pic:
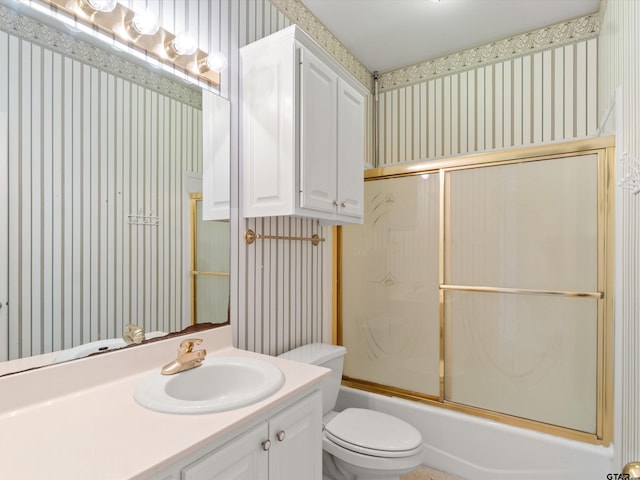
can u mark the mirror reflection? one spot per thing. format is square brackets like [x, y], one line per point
[96, 176]
[209, 266]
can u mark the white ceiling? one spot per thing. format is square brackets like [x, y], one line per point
[389, 34]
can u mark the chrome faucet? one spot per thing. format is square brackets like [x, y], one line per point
[133, 334]
[187, 357]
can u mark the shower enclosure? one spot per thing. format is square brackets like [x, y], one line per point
[483, 284]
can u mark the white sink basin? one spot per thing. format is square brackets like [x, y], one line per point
[219, 384]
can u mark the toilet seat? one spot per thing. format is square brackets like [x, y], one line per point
[373, 433]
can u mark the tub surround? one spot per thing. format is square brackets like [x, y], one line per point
[80, 419]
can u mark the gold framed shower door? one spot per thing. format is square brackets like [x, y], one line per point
[603, 295]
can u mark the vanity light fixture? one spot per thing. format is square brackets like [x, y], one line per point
[145, 22]
[102, 5]
[140, 31]
[216, 62]
[183, 44]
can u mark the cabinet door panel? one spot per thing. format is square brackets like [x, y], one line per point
[318, 134]
[242, 459]
[216, 156]
[299, 454]
[268, 130]
[350, 151]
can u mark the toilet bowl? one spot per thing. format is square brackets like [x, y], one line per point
[358, 444]
[364, 444]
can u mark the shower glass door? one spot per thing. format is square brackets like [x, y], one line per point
[521, 289]
[484, 285]
[390, 286]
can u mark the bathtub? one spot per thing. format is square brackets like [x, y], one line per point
[479, 449]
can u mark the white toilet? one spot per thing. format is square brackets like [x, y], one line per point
[358, 444]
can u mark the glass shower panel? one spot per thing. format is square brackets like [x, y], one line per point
[390, 308]
[529, 356]
[212, 267]
[530, 225]
[212, 294]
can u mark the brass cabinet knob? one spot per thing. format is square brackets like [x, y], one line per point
[280, 435]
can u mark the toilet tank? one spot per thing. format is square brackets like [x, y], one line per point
[323, 355]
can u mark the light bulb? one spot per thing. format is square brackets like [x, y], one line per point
[184, 44]
[145, 22]
[216, 61]
[102, 5]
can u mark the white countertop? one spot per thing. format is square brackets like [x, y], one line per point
[80, 420]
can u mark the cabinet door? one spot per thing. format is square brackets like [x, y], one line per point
[242, 459]
[216, 156]
[318, 134]
[268, 129]
[350, 151]
[296, 441]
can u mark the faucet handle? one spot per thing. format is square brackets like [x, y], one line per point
[133, 334]
[186, 346]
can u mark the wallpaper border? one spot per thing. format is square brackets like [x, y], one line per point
[29, 29]
[557, 35]
[299, 14]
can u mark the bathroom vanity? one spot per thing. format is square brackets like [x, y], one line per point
[80, 420]
[283, 447]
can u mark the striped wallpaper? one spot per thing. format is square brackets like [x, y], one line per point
[619, 81]
[284, 280]
[541, 97]
[280, 290]
[282, 287]
[82, 152]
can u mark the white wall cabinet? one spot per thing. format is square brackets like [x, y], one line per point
[303, 135]
[285, 445]
[216, 156]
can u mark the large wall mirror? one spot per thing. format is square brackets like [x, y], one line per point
[99, 161]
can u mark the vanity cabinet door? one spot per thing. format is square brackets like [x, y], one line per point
[242, 459]
[286, 446]
[296, 441]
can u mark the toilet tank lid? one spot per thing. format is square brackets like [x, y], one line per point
[314, 353]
